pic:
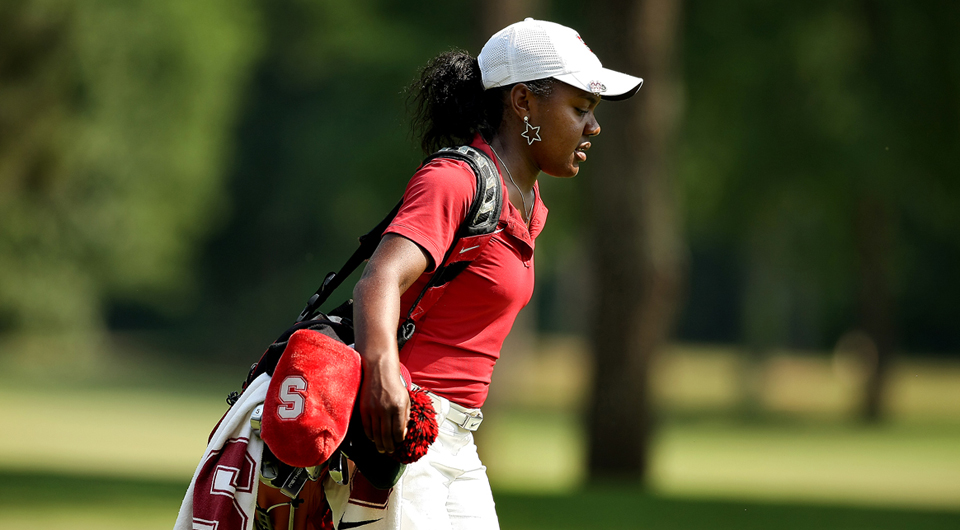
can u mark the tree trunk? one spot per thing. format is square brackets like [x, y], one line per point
[873, 227]
[876, 300]
[498, 14]
[639, 256]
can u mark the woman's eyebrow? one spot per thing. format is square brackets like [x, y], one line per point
[593, 99]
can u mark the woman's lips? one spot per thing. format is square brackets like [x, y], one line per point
[581, 152]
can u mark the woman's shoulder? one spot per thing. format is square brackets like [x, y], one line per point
[445, 177]
[435, 203]
[446, 170]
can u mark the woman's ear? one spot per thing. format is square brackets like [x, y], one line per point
[520, 100]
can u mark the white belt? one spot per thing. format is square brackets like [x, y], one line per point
[461, 416]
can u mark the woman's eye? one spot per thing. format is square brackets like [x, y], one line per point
[582, 112]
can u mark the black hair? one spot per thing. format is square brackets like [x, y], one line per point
[450, 104]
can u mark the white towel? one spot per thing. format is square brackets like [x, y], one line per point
[223, 492]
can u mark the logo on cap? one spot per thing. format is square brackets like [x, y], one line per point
[597, 87]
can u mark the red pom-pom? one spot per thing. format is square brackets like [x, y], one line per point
[421, 429]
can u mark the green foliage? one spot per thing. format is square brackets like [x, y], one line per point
[324, 152]
[202, 159]
[798, 115]
[116, 120]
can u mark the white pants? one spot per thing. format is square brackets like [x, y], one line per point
[447, 489]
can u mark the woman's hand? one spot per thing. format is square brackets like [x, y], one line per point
[384, 402]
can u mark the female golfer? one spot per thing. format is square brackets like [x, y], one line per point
[528, 102]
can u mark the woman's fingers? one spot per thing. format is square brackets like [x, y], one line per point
[398, 429]
[404, 420]
[385, 443]
[394, 423]
[384, 412]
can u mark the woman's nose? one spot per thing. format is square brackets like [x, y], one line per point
[593, 128]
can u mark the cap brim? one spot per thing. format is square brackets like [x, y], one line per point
[613, 85]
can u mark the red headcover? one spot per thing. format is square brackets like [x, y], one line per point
[310, 398]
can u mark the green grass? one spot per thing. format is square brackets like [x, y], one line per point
[115, 446]
[893, 464]
[56, 501]
[897, 464]
[625, 508]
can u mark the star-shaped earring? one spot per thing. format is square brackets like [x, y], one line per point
[526, 133]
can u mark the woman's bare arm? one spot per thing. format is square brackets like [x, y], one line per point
[384, 403]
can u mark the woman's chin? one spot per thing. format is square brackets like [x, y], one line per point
[564, 173]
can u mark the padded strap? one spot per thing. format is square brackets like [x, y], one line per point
[368, 244]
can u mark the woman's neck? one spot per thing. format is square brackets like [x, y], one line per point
[520, 174]
[518, 165]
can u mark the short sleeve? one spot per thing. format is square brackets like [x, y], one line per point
[435, 203]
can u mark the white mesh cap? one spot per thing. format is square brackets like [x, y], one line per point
[537, 49]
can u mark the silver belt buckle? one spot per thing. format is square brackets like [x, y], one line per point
[472, 420]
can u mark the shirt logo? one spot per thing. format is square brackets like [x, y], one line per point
[469, 249]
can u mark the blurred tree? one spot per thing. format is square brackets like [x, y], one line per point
[114, 121]
[820, 141]
[323, 153]
[640, 259]
[498, 14]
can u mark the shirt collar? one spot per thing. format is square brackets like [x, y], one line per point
[514, 223]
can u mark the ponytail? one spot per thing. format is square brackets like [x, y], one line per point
[450, 104]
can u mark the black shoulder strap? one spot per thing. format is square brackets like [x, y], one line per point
[368, 244]
[481, 219]
[484, 213]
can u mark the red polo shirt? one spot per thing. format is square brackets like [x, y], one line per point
[458, 340]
